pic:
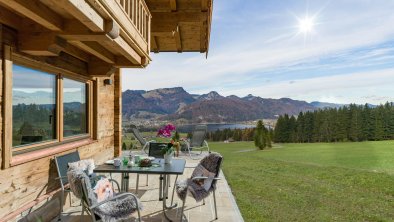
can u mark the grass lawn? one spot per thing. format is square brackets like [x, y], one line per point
[312, 182]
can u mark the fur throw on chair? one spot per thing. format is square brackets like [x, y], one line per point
[114, 210]
[211, 164]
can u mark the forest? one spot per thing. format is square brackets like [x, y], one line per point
[348, 123]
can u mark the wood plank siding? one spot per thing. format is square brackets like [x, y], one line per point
[87, 41]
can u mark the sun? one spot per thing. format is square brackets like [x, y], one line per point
[305, 25]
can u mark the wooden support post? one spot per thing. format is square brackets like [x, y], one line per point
[7, 107]
[96, 99]
[59, 106]
[118, 113]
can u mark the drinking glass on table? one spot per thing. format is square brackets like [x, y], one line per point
[125, 160]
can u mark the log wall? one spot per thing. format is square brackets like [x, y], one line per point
[33, 183]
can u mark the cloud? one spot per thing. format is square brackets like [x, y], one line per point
[246, 51]
[330, 88]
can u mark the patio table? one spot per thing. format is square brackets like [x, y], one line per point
[177, 167]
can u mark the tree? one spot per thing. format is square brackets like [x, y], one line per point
[259, 137]
[268, 138]
[124, 146]
[131, 145]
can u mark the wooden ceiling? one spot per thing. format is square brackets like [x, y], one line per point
[180, 25]
[107, 34]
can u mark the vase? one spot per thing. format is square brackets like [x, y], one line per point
[168, 158]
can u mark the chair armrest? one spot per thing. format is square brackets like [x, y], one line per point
[114, 198]
[152, 141]
[114, 181]
[204, 178]
[58, 178]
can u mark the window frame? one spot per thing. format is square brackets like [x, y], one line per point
[60, 140]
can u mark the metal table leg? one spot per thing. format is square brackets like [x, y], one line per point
[125, 182]
[161, 187]
[165, 194]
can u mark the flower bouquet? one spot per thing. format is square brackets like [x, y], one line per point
[168, 150]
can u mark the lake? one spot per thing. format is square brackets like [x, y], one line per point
[213, 127]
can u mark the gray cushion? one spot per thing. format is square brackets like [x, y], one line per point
[114, 210]
[212, 164]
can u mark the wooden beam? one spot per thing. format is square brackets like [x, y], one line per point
[38, 44]
[95, 49]
[122, 62]
[158, 17]
[203, 37]
[173, 5]
[36, 11]
[72, 50]
[113, 9]
[204, 5]
[10, 19]
[98, 68]
[85, 13]
[155, 45]
[167, 22]
[76, 31]
[122, 47]
[48, 44]
[178, 39]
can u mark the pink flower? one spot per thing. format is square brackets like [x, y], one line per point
[166, 130]
[170, 127]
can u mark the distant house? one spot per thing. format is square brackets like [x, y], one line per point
[61, 82]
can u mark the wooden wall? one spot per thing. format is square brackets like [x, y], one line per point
[31, 181]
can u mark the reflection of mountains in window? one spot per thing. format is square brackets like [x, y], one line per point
[42, 97]
[33, 123]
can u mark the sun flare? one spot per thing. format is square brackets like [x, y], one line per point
[306, 25]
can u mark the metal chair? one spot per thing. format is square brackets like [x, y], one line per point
[62, 167]
[155, 151]
[211, 163]
[138, 136]
[120, 205]
[197, 142]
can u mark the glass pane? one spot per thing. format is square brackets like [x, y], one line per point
[33, 106]
[74, 106]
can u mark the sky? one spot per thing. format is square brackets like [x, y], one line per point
[257, 48]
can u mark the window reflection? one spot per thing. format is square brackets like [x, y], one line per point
[74, 107]
[33, 106]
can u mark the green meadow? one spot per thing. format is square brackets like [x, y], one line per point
[311, 182]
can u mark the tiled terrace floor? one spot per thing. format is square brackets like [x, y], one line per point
[152, 212]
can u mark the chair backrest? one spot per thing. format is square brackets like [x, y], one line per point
[155, 149]
[198, 136]
[81, 187]
[62, 165]
[212, 163]
[137, 134]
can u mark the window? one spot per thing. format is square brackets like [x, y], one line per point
[33, 106]
[74, 108]
[41, 102]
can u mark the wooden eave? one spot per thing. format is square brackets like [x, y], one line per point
[180, 26]
[98, 33]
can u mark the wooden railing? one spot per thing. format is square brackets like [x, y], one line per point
[139, 14]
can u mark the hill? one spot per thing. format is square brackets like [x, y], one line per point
[176, 103]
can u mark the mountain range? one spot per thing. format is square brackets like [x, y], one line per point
[177, 104]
